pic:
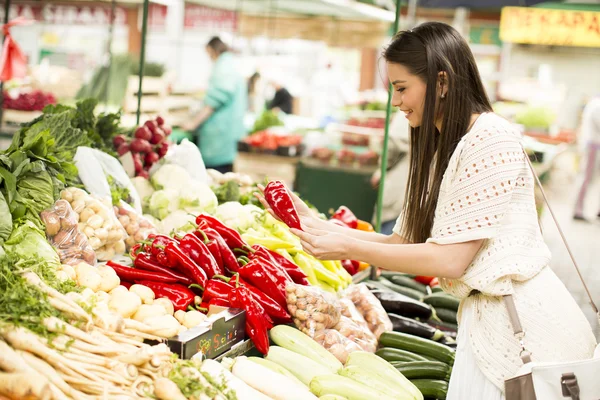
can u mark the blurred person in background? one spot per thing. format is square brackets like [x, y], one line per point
[220, 123]
[282, 100]
[396, 176]
[256, 101]
[589, 142]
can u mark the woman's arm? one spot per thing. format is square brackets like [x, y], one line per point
[372, 237]
[446, 261]
[198, 120]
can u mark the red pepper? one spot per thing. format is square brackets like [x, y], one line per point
[219, 302]
[198, 252]
[259, 274]
[183, 263]
[278, 313]
[434, 282]
[229, 261]
[425, 280]
[146, 262]
[256, 323]
[126, 284]
[216, 289]
[157, 244]
[213, 247]
[297, 275]
[231, 236]
[133, 274]
[281, 203]
[346, 216]
[349, 267]
[180, 296]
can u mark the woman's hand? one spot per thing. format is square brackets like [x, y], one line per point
[302, 209]
[324, 245]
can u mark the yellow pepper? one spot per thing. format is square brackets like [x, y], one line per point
[305, 265]
[270, 242]
[364, 226]
[362, 266]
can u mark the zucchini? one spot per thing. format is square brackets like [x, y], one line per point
[437, 289]
[403, 305]
[390, 355]
[436, 389]
[423, 347]
[416, 328]
[407, 291]
[442, 300]
[446, 315]
[409, 283]
[424, 369]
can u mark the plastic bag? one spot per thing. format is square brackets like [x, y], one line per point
[13, 63]
[360, 335]
[98, 222]
[312, 309]
[349, 310]
[186, 155]
[336, 343]
[64, 235]
[370, 308]
[137, 227]
[96, 168]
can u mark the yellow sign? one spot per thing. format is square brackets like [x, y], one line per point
[550, 27]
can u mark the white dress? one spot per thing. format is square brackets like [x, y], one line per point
[487, 192]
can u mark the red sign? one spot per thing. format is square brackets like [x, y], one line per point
[157, 16]
[199, 17]
[61, 14]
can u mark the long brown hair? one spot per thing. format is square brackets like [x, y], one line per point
[425, 51]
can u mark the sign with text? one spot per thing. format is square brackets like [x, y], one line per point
[550, 27]
[63, 14]
[201, 18]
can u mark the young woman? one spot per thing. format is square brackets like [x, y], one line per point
[469, 218]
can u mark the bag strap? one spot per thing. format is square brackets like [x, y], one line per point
[510, 301]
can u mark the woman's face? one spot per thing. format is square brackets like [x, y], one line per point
[211, 53]
[409, 93]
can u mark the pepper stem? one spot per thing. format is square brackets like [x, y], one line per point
[203, 235]
[195, 285]
[242, 251]
[203, 309]
[222, 277]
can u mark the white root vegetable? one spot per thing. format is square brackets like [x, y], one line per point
[147, 310]
[145, 293]
[124, 303]
[225, 378]
[193, 318]
[143, 385]
[110, 280]
[166, 389]
[118, 289]
[10, 360]
[20, 385]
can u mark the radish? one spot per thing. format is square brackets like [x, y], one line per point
[164, 147]
[140, 146]
[122, 149]
[151, 125]
[160, 120]
[137, 163]
[119, 140]
[143, 174]
[167, 129]
[151, 158]
[143, 133]
[158, 136]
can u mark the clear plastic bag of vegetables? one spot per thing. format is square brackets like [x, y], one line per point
[370, 308]
[137, 226]
[336, 343]
[63, 233]
[98, 222]
[312, 309]
[362, 336]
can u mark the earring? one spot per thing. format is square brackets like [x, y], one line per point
[442, 96]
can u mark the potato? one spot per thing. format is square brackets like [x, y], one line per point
[95, 243]
[179, 315]
[147, 311]
[78, 205]
[101, 234]
[114, 235]
[110, 280]
[95, 222]
[88, 231]
[66, 195]
[124, 220]
[52, 222]
[86, 214]
[145, 293]
[193, 318]
[119, 247]
[166, 303]
[89, 255]
[132, 228]
[88, 276]
[69, 270]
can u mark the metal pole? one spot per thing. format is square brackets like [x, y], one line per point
[386, 137]
[6, 11]
[109, 49]
[142, 60]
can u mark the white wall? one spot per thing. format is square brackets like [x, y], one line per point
[578, 68]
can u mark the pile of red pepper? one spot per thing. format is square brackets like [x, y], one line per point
[204, 262]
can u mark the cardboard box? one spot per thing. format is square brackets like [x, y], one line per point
[224, 328]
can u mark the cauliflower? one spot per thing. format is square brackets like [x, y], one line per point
[238, 216]
[143, 188]
[197, 197]
[177, 221]
[163, 202]
[171, 176]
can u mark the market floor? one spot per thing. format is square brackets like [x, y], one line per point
[583, 237]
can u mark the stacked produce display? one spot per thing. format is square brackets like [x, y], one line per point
[98, 290]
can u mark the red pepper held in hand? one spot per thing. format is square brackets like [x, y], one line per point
[180, 296]
[183, 263]
[281, 203]
[198, 252]
[346, 216]
[133, 274]
[231, 236]
[256, 325]
[146, 262]
[257, 275]
[229, 261]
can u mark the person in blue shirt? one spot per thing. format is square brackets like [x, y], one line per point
[220, 124]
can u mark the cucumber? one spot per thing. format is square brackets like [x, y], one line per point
[390, 355]
[409, 283]
[433, 388]
[446, 315]
[420, 346]
[424, 369]
[442, 300]
[437, 289]
[410, 292]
